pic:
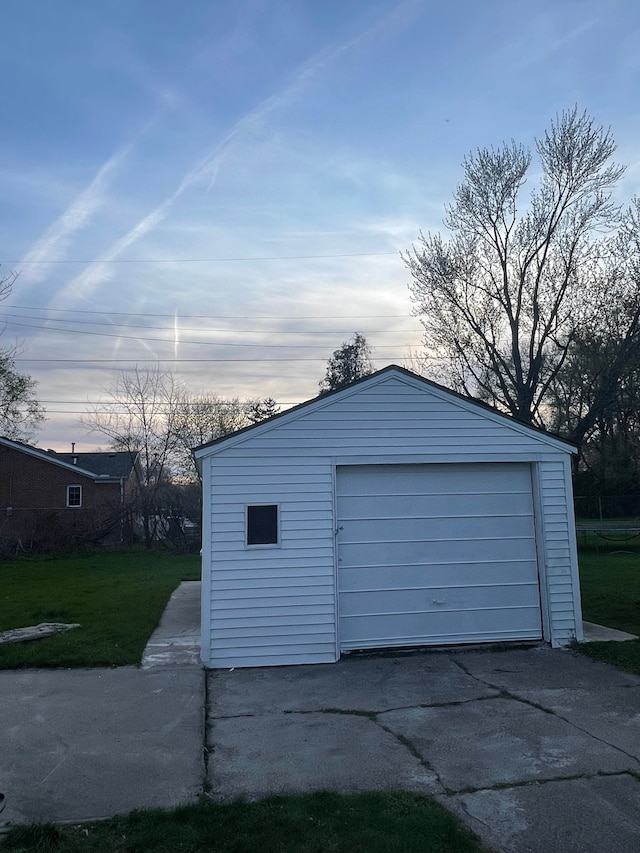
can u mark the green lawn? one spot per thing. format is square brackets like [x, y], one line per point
[314, 823]
[610, 585]
[117, 597]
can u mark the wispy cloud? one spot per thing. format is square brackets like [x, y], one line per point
[53, 244]
[207, 169]
[547, 36]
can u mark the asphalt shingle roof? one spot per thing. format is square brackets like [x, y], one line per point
[114, 463]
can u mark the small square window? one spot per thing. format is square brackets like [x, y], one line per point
[74, 496]
[262, 524]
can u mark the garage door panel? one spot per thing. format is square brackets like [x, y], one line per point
[432, 505]
[436, 554]
[441, 628]
[444, 575]
[426, 600]
[447, 551]
[489, 478]
[391, 530]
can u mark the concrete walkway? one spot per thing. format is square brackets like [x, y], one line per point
[599, 633]
[91, 743]
[176, 640]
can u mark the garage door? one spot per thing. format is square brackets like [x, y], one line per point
[436, 554]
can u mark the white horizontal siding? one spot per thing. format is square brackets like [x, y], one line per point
[265, 600]
[406, 420]
[277, 605]
[245, 622]
[251, 575]
[559, 548]
[224, 657]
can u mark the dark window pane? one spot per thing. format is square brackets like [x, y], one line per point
[74, 495]
[262, 525]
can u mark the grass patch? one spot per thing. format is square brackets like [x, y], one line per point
[610, 586]
[117, 598]
[38, 838]
[324, 822]
[624, 655]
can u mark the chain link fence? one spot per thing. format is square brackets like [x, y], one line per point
[607, 507]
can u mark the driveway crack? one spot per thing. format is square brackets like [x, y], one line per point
[207, 746]
[508, 695]
[528, 783]
[412, 748]
[401, 739]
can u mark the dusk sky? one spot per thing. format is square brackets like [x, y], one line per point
[224, 186]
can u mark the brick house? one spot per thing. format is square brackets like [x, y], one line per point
[53, 500]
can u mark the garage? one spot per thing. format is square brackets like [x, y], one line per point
[391, 513]
[436, 554]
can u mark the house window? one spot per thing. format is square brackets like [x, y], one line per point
[74, 496]
[262, 524]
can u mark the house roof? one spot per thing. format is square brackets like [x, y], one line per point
[102, 467]
[114, 463]
[400, 372]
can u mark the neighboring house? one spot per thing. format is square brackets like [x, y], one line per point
[391, 513]
[50, 499]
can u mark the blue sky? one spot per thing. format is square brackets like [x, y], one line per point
[224, 186]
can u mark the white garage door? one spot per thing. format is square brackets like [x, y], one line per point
[436, 554]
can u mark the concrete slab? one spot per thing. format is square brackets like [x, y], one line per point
[601, 701]
[297, 753]
[176, 640]
[354, 683]
[83, 744]
[542, 667]
[574, 816]
[505, 742]
[601, 634]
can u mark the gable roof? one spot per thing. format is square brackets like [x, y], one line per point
[102, 467]
[113, 463]
[401, 373]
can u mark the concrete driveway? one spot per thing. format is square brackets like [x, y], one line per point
[535, 749]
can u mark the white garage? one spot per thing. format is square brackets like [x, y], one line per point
[393, 513]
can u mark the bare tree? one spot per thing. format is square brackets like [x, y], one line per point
[20, 412]
[595, 396]
[350, 362]
[140, 417]
[200, 418]
[503, 298]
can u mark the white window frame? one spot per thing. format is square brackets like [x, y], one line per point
[74, 505]
[253, 546]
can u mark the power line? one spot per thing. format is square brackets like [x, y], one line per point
[154, 360]
[89, 261]
[180, 342]
[106, 407]
[213, 316]
[104, 362]
[220, 403]
[159, 412]
[181, 329]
